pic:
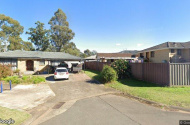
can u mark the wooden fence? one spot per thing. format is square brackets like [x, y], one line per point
[98, 66]
[151, 72]
[165, 74]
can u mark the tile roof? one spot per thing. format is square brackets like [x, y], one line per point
[169, 45]
[38, 55]
[113, 55]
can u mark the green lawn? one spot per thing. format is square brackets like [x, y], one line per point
[17, 116]
[173, 96]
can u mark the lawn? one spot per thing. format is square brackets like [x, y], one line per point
[17, 116]
[172, 96]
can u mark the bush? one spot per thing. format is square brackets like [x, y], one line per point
[5, 70]
[108, 74]
[14, 79]
[122, 68]
[25, 79]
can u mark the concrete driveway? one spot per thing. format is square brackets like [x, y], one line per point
[83, 101]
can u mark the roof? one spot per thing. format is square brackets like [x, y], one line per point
[169, 45]
[38, 55]
[91, 57]
[114, 55]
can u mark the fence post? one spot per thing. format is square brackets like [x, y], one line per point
[1, 87]
[10, 83]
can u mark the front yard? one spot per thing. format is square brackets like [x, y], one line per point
[172, 96]
[17, 116]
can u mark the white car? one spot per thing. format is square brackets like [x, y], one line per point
[61, 73]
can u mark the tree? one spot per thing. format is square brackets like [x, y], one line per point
[60, 31]
[71, 49]
[10, 31]
[39, 36]
[87, 52]
[27, 46]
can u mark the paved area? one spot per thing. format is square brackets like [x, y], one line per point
[83, 101]
[24, 97]
[115, 110]
[79, 86]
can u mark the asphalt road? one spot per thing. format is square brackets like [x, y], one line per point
[87, 103]
[115, 110]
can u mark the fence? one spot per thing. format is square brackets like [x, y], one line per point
[152, 72]
[98, 66]
[165, 74]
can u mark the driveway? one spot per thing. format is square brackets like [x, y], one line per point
[83, 101]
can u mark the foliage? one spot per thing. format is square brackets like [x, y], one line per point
[5, 70]
[39, 36]
[25, 79]
[108, 74]
[27, 46]
[17, 71]
[10, 31]
[122, 68]
[87, 52]
[60, 31]
[71, 49]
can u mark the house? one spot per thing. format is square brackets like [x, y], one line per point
[34, 60]
[111, 57]
[173, 52]
[90, 58]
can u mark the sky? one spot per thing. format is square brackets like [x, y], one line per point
[109, 25]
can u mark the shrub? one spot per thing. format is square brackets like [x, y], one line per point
[108, 74]
[14, 79]
[122, 68]
[5, 70]
[17, 71]
[25, 79]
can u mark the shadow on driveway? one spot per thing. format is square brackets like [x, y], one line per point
[50, 78]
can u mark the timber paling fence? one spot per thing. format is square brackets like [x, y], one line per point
[164, 74]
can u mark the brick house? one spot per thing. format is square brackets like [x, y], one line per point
[173, 52]
[34, 60]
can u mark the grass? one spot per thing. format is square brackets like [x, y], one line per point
[172, 96]
[28, 79]
[17, 116]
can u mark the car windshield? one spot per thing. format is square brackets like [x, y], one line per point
[61, 70]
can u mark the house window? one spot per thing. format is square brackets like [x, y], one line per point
[141, 55]
[152, 53]
[42, 62]
[179, 52]
[172, 51]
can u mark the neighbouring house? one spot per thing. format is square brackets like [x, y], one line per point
[111, 57]
[34, 61]
[90, 58]
[173, 52]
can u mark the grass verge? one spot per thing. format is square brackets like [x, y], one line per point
[17, 116]
[172, 96]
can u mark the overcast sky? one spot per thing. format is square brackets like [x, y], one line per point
[109, 25]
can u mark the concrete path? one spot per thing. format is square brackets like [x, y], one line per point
[115, 110]
[25, 97]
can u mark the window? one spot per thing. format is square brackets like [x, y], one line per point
[179, 52]
[141, 55]
[152, 53]
[172, 51]
[42, 62]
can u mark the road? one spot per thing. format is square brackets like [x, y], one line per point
[82, 101]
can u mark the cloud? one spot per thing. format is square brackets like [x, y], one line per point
[139, 44]
[118, 44]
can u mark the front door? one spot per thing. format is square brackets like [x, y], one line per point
[30, 65]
